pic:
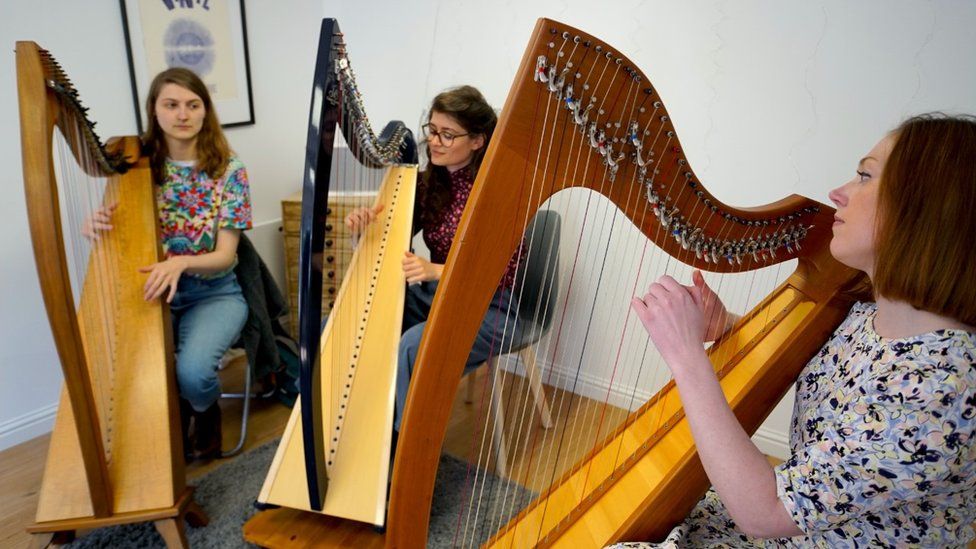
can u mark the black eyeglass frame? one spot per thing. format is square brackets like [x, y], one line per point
[427, 132]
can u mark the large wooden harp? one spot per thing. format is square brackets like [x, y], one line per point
[334, 456]
[115, 454]
[581, 116]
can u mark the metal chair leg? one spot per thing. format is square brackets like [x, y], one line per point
[246, 395]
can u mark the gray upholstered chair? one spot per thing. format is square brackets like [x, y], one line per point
[537, 285]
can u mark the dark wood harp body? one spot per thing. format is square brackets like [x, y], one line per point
[115, 454]
[645, 477]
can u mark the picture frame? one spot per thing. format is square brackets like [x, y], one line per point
[206, 36]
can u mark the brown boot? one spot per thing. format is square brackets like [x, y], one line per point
[208, 433]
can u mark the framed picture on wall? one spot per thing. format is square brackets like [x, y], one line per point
[207, 36]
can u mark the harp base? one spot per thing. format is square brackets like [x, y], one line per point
[168, 521]
[285, 527]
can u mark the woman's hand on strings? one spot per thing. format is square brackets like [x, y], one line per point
[419, 269]
[718, 319]
[100, 220]
[163, 277]
[672, 315]
[358, 219]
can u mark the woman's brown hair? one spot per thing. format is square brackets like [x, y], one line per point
[213, 151]
[927, 217]
[468, 107]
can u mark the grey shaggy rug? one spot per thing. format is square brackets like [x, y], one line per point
[227, 495]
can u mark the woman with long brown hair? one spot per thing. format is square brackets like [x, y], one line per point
[204, 203]
[883, 437]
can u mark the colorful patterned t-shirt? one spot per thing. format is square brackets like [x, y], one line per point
[883, 444]
[193, 207]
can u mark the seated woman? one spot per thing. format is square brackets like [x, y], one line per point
[457, 134]
[204, 203]
[883, 436]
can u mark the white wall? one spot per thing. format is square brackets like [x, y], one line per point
[769, 98]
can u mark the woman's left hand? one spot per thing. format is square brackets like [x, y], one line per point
[672, 315]
[419, 269]
[163, 276]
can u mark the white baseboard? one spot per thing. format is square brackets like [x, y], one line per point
[772, 443]
[584, 384]
[30, 425]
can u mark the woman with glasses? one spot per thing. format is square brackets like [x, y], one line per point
[457, 134]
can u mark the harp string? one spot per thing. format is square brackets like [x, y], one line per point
[475, 504]
[90, 265]
[357, 171]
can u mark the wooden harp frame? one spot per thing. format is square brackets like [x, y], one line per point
[144, 479]
[659, 479]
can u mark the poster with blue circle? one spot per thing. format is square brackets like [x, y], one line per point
[206, 36]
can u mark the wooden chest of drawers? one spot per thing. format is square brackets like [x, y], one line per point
[337, 253]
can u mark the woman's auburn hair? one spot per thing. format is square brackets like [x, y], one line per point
[213, 151]
[927, 217]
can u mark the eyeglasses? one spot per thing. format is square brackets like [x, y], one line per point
[444, 136]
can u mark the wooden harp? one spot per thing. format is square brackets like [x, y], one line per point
[334, 456]
[583, 129]
[116, 453]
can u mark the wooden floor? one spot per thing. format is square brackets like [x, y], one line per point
[21, 467]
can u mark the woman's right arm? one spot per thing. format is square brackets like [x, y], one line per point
[674, 316]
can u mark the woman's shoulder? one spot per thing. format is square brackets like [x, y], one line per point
[863, 309]
[234, 163]
[857, 317]
[941, 364]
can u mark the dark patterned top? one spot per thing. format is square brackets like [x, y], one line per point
[439, 233]
[882, 441]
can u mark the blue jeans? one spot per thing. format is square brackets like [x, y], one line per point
[208, 315]
[496, 332]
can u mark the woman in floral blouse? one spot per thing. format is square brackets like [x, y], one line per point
[882, 437]
[457, 134]
[204, 203]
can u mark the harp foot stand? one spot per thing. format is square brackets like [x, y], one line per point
[168, 522]
[284, 527]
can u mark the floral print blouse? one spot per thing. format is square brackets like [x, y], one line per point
[882, 441]
[439, 233]
[193, 207]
